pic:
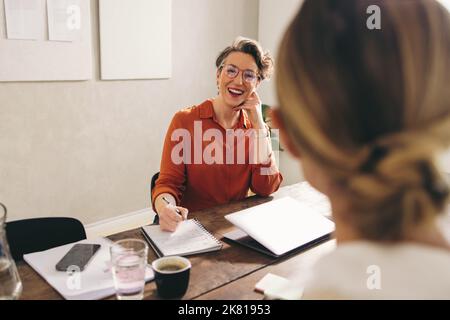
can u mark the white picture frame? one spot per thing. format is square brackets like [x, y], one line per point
[44, 60]
[135, 39]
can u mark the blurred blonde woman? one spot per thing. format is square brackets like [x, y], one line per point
[367, 112]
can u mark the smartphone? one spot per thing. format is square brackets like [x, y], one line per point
[79, 255]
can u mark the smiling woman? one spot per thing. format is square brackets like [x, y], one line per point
[236, 141]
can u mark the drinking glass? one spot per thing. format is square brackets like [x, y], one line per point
[128, 262]
[10, 284]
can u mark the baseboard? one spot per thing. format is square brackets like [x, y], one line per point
[120, 223]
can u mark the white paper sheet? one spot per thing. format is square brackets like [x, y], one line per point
[24, 19]
[278, 288]
[95, 282]
[64, 20]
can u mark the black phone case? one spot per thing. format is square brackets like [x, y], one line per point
[79, 255]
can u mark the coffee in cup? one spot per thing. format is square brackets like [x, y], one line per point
[171, 276]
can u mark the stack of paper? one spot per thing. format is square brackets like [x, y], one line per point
[94, 282]
[278, 288]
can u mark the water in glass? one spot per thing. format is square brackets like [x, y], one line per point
[10, 284]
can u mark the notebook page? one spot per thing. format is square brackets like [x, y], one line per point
[188, 238]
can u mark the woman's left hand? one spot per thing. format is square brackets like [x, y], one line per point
[254, 111]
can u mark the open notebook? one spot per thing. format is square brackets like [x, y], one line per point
[189, 238]
[94, 282]
[279, 227]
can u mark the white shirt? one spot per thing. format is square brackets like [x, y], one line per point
[368, 270]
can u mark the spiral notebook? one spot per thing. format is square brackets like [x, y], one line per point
[189, 238]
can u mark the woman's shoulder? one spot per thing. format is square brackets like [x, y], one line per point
[192, 112]
[360, 253]
[356, 269]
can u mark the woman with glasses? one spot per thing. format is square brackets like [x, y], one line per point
[367, 111]
[217, 151]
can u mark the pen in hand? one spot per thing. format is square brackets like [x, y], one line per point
[176, 210]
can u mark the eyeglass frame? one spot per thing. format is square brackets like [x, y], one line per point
[258, 78]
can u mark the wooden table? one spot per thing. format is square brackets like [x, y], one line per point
[230, 273]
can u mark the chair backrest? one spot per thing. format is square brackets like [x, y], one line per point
[32, 235]
[154, 178]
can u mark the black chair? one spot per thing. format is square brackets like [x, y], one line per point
[31, 235]
[152, 186]
[154, 178]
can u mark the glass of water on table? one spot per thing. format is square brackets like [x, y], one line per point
[129, 262]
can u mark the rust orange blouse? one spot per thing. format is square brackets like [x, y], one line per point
[194, 183]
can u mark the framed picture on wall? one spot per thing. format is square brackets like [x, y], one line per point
[135, 39]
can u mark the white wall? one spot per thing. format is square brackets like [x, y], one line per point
[446, 3]
[274, 17]
[88, 149]
[445, 162]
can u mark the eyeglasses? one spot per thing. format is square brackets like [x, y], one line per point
[232, 72]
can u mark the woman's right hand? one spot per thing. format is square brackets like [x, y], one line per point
[169, 218]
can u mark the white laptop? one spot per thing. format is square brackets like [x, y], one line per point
[279, 227]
